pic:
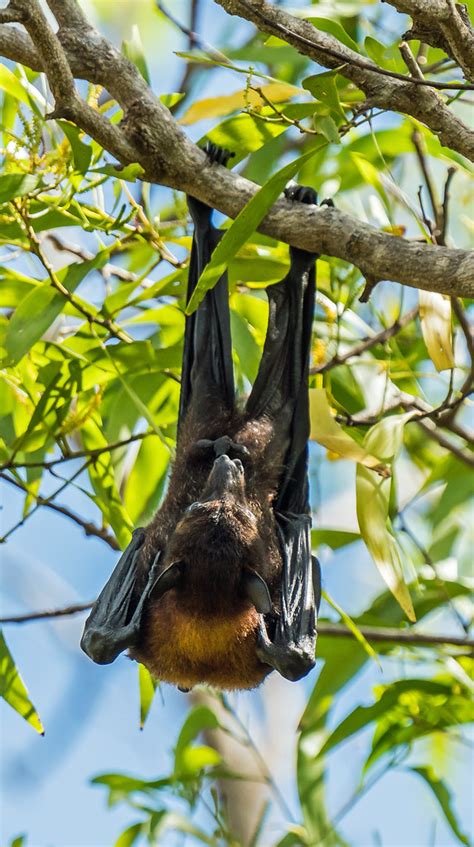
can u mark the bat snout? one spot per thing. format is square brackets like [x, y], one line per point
[227, 477]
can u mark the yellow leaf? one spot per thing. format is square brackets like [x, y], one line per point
[373, 496]
[214, 107]
[435, 318]
[326, 431]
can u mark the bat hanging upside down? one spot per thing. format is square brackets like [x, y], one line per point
[221, 587]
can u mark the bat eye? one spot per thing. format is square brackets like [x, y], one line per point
[193, 506]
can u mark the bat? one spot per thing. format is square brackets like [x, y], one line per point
[221, 587]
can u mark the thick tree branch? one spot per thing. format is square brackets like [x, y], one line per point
[378, 634]
[443, 24]
[383, 91]
[150, 136]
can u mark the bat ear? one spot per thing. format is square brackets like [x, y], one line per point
[256, 589]
[166, 580]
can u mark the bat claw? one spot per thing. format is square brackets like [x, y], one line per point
[301, 194]
[219, 155]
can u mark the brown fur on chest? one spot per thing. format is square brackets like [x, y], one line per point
[184, 647]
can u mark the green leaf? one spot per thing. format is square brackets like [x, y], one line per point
[436, 326]
[327, 126]
[41, 307]
[130, 835]
[130, 172]
[333, 538]
[12, 85]
[358, 635]
[385, 56]
[17, 185]
[336, 29]
[245, 223]
[198, 719]
[324, 89]
[170, 100]
[147, 687]
[362, 716]
[147, 478]
[373, 508]
[245, 345]
[101, 475]
[443, 796]
[82, 153]
[14, 287]
[13, 690]
[244, 134]
[133, 50]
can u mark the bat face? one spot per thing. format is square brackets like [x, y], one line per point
[216, 544]
[203, 626]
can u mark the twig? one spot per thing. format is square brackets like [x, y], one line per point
[396, 636]
[433, 432]
[78, 454]
[441, 239]
[88, 527]
[367, 343]
[66, 611]
[194, 39]
[420, 152]
[381, 634]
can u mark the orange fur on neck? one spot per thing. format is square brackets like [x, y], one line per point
[185, 648]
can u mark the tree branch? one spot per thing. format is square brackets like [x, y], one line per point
[149, 135]
[77, 454]
[443, 24]
[334, 630]
[385, 90]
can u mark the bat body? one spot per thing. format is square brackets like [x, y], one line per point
[221, 587]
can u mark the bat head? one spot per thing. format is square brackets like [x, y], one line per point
[216, 548]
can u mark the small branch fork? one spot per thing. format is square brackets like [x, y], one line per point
[382, 635]
[150, 136]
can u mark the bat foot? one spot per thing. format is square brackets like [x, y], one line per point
[219, 155]
[301, 194]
